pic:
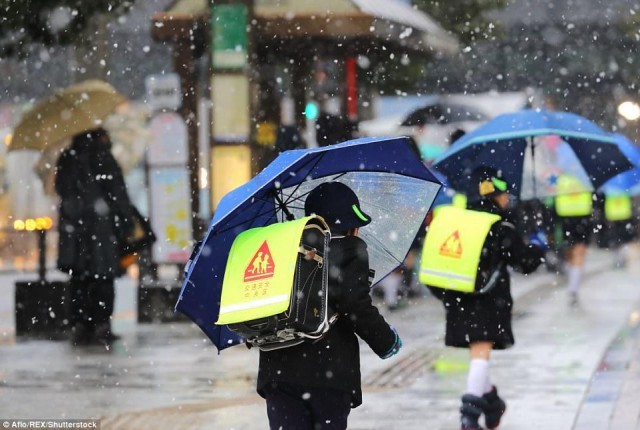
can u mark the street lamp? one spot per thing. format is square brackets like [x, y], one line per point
[41, 225]
[629, 110]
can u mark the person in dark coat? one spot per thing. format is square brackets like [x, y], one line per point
[481, 321]
[315, 384]
[95, 217]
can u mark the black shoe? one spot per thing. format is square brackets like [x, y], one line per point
[495, 408]
[573, 299]
[470, 411]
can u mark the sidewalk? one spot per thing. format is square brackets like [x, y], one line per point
[169, 376]
[424, 381]
[612, 397]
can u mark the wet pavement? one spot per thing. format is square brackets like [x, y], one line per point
[571, 368]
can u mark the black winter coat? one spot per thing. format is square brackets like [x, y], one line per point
[334, 361]
[487, 317]
[95, 211]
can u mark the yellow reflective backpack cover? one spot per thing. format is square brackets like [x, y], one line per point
[260, 271]
[573, 199]
[452, 248]
[618, 207]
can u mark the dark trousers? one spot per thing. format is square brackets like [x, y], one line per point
[292, 407]
[91, 302]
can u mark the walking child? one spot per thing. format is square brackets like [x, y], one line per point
[314, 385]
[574, 206]
[464, 263]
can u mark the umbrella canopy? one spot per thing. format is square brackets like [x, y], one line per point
[626, 182]
[442, 112]
[393, 185]
[67, 112]
[523, 143]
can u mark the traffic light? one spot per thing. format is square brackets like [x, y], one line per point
[311, 111]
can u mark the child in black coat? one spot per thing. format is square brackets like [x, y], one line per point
[314, 385]
[481, 321]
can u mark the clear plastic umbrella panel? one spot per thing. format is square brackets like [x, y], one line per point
[397, 205]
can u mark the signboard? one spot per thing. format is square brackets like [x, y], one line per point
[169, 140]
[230, 113]
[171, 209]
[229, 23]
[230, 168]
[163, 91]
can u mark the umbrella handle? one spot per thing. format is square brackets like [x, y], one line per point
[533, 167]
[284, 208]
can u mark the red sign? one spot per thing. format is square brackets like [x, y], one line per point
[261, 265]
[452, 247]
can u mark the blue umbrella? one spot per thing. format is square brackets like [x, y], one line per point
[393, 185]
[626, 182]
[502, 143]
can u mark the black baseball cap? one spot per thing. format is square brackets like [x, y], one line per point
[338, 205]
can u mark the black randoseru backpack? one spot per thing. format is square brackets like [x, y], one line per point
[306, 317]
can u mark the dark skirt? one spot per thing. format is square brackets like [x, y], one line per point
[621, 232]
[478, 318]
[576, 230]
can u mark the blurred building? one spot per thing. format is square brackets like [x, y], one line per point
[583, 55]
[302, 64]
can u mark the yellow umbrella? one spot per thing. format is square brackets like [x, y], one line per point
[67, 112]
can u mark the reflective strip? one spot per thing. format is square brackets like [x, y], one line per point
[447, 275]
[359, 214]
[254, 304]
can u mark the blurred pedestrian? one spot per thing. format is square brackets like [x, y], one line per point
[574, 206]
[332, 129]
[288, 138]
[465, 264]
[314, 385]
[95, 216]
[391, 287]
[621, 224]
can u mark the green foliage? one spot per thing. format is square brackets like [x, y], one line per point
[465, 18]
[50, 22]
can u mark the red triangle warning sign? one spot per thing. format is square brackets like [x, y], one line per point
[261, 265]
[452, 247]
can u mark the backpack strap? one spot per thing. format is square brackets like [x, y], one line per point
[311, 254]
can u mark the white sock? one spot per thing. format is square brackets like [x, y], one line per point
[478, 376]
[488, 386]
[621, 257]
[575, 274]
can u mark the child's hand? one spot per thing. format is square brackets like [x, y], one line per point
[395, 348]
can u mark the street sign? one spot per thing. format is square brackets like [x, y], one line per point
[230, 168]
[229, 36]
[163, 91]
[230, 114]
[171, 214]
[169, 141]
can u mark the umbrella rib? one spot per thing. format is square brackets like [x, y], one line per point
[251, 221]
[314, 162]
[289, 199]
[292, 197]
[383, 248]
